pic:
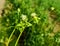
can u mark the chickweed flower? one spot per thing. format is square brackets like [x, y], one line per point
[52, 8]
[35, 18]
[24, 17]
[33, 14]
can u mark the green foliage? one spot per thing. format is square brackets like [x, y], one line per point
[26, 23]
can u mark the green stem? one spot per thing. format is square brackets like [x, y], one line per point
[7, 44]
[18, 38]
[10, 37]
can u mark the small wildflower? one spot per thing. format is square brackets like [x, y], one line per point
[52, 8]
[35, 18]
[24, 17]
[33, 14]
[18, 9]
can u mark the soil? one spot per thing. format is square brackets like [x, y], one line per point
[2, 2]
[56, 24]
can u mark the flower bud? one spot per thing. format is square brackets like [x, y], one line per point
[18, 9]
[52, 8]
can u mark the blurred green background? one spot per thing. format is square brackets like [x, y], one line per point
[30, 23]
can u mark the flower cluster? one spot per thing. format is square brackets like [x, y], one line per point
[23, 17]
[35, 18]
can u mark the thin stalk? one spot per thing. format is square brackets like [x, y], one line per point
[18, 39]
[10, 37]
[7, 44]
